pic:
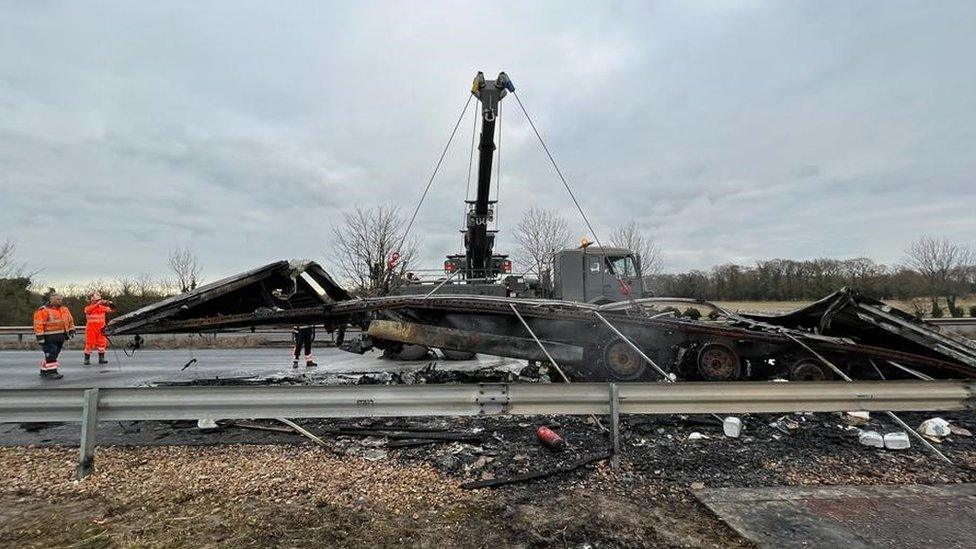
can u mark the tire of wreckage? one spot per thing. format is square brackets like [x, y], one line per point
[808, 369]
[718, 362]
[407, 351]
[617, 360]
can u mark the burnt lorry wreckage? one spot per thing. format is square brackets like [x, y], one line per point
[861, 337]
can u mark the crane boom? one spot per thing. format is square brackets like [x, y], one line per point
[478, 261]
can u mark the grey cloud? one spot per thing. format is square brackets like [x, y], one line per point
[734, 132]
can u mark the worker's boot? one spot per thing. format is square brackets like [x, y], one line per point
[310, 364]
[294, 363]
[101, 358]
[51, 374]
[87, 359]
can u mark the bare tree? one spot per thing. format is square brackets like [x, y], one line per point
[368, 248]
[540, 234]
[100, 286]
[9, 268]
[185, 265]
[943, 263]
[642, 245]
[148, 286]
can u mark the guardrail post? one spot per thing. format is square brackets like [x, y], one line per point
[615, 425]
[89, 424]
[492, 398]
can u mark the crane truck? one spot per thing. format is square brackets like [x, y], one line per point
[589, 274]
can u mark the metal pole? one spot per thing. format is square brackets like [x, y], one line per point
[906, 369]
[891, 414]
[539, 343]
[443, 282]
[302, 431]
[552, 360]
[615, 425]
[89, 424]
[635, 348]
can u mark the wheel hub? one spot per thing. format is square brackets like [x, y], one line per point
[718, 363]
[622, 361]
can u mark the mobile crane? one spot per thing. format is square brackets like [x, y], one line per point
[589, 273]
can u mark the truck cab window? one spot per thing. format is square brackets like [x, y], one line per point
[622, 265]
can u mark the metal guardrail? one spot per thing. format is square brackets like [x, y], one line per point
[174, 403]
[952, 322]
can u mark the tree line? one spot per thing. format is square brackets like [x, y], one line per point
[20, 296]
[935, 268]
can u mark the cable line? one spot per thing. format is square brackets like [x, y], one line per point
[433, 175]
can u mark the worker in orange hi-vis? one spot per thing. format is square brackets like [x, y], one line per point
[95, 338]
[53, 325]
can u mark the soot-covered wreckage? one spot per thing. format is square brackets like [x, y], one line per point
[864, 338]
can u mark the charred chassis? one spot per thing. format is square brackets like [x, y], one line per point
[865, 338]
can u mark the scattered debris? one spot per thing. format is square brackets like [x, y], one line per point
[536, 475]
[550, 439]
[785, 424]
[936, 428]
[207, 425]
[871, 438]
[897, 441]
[373, 454]
[960, 431]
[259, 427]
[301, 430]
[857, 418]
[732, 426]
[697, 436]
[408, 435]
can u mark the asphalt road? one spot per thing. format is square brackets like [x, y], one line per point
[19, 369]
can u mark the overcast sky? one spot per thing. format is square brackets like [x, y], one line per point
[732, 131]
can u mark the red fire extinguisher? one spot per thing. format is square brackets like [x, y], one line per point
[550, 439]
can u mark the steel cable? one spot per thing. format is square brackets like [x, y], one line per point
[434, 174]
[575, 201]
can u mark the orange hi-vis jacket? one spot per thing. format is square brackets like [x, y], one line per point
[95, 314]
[52, 320]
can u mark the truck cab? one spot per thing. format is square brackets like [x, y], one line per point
[589, 274]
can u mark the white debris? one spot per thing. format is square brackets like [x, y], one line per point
[697, 436]
[374, 454]
[935, 427]
[732, 427]
[858, 418]
[960, 431]
[871, 438]
[897, 441]
[206, 424]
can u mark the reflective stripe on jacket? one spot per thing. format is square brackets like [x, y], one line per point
[95, 313]
[50, 320]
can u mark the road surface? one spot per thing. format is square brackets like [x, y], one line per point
[19, 369]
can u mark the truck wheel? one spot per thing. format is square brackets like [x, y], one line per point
[807, 369]
[621, 361]
[717, 362]
[407, 351]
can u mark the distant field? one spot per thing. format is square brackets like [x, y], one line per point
[785, 306]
